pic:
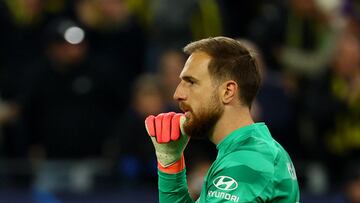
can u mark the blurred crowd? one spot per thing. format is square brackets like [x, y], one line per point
[78, 78]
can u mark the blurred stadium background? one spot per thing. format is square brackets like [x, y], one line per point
[77, 79]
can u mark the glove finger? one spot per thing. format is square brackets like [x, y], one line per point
[149, 125]
[166, 127]
[158, 127]
[175, 127]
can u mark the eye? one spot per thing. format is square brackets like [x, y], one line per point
[189, 80]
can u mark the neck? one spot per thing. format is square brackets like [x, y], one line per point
[232, 119]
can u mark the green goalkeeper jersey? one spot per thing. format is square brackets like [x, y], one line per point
[250, 167]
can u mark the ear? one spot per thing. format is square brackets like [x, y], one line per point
[229, 91]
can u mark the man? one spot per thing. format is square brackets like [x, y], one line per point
[218, 84]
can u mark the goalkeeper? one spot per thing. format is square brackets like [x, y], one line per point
[218, 84]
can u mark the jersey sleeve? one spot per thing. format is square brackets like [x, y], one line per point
[240, 182]
[173, 188]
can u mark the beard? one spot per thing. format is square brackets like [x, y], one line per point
[201, 124]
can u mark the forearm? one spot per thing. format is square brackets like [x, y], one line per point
[173, 188]
[169, 142]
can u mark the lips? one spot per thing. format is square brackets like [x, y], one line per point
[185, 108]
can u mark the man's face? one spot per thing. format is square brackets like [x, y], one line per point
[198, 97]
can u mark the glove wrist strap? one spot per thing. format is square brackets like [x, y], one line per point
[176, 167]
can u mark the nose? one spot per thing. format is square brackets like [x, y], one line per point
[179, 94]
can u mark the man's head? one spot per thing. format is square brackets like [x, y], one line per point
[220, 72]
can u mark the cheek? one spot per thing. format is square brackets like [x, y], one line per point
[201, 104]
[200, 99]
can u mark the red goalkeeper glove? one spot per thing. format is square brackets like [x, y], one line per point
[167, 136]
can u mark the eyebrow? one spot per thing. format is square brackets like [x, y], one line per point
[189, 78]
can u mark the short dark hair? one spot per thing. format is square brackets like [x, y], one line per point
[230, 60]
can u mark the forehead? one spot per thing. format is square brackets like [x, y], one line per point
[196, 65]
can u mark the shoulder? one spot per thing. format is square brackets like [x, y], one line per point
[247, 171]
[241, 176]
[250, 169]
[247, 166]
[255, 153]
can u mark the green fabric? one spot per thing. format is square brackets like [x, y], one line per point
[250, 167]
[173, 188]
